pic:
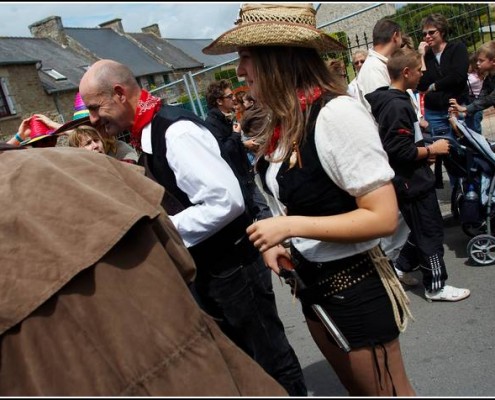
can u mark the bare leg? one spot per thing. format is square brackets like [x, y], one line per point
[358, 370]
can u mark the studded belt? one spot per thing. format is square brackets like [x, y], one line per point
[326, 279]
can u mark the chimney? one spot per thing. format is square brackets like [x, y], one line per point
[115, 24]
[51, 28]
[155, 29]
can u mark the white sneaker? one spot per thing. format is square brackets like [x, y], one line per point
[406, 278]
[447, 293]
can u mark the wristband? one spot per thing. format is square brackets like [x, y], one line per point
[18, 137]
[428, 152]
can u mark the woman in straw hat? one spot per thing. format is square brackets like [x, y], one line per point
[323, 161]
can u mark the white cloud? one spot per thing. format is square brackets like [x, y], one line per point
[176, 20]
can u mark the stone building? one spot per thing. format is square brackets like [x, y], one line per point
[37, 76]
[355, 19]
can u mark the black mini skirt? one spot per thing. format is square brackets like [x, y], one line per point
[362, 311]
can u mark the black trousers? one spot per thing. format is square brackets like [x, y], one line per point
[424, 246]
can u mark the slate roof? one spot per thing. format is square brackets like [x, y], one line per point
[170, 54]
[17, 50]
[108, 44]
[193, 47]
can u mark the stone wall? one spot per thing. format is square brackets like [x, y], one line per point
[358, 24]
[30, 98]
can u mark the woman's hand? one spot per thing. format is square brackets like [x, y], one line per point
[422, 47]
[271, 256]
[251, 144]
[269, 232]
[47, 121]
[25, 129]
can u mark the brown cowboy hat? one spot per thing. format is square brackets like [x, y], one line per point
[278, 24]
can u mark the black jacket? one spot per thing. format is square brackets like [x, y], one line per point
[450, 76]
[486, 98]
[396, 117]
[230, 142]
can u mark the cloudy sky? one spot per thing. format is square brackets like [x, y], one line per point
[185, 20]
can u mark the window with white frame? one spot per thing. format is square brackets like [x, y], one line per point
[54, 74]
[6, 104]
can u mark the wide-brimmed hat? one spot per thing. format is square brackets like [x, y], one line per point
[278, 24]
[39, 131]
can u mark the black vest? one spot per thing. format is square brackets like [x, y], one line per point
[308, 190]
[223, 249]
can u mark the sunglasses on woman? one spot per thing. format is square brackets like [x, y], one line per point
[430, 33]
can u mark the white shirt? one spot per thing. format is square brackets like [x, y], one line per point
[373, 74]
[351, 153]
[352, 89]
[418, 134]
[194, 156]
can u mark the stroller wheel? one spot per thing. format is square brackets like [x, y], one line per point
[473, 229]
[481, 250]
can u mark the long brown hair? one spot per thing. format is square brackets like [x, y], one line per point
[280, 73]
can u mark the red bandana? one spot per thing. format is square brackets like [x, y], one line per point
[147, 107]
[303, 101]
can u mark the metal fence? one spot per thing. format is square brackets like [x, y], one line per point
[189, 91]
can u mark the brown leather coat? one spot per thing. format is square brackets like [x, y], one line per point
[93, 293]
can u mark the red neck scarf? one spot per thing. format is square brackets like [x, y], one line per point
[314, 95]
[148, 106]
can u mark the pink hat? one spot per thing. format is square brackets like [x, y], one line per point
[80, 117]
[39, 130]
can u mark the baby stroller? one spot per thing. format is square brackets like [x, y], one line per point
[472, 161]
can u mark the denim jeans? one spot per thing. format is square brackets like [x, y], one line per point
[439, 125]
[474, 121]
[243, 302]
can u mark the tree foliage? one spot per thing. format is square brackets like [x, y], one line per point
[464, 19]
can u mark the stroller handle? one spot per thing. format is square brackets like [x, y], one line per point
[453, 142]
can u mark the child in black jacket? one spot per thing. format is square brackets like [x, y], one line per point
[414, 180]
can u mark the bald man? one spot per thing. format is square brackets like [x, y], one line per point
[205, 203]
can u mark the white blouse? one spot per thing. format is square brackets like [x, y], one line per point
[351, 153]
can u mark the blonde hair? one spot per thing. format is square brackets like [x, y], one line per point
[487, 49]
[78, 135]
[280, 73]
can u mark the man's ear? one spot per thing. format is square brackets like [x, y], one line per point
[396, 37]
[406, 72]
[120, 92]
[219, 102]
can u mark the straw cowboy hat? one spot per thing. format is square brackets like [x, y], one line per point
[279, 24]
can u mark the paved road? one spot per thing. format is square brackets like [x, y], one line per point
[449, 350]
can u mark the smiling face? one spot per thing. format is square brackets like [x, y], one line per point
[105, 112]
[245, 69]
[110, 93]
[432, 36]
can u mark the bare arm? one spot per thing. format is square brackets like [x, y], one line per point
[23, 133]
[376, 216]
